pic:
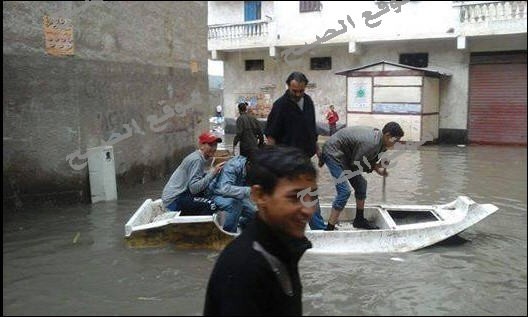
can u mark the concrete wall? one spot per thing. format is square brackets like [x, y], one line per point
[131, 61]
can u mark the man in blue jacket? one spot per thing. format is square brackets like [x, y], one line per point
[231, 194]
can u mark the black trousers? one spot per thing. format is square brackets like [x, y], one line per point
[191, 205]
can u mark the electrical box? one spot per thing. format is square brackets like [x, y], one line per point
[101, 167]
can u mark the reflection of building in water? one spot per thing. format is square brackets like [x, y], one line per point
[423, 175]
[402, 184]
[101, 222]
[443, 174]
[426, 175]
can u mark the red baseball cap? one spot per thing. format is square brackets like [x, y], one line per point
[208, 137]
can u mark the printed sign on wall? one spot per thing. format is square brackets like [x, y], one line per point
[359, 94]
[58, 35]
[398, 107]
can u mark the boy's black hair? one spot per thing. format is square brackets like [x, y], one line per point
[271, 163]
[242, 106]
[393, 129]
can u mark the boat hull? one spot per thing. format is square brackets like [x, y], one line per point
[152, 226]
[201, 235]
[403, 228]
[449, 220]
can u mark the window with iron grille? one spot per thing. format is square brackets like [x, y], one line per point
[415, 59]
[254, 64]
[309, 6]
[320, 63]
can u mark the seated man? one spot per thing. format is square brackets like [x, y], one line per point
[186, 187]
[231, 194]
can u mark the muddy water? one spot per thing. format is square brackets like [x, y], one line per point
[73, 260]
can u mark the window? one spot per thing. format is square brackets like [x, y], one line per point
[415, 59]
[320, 63]
[309, 6]
[254, 64]
[252, 10]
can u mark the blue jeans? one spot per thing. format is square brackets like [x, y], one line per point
[317, 222]
[358, 182]
[236, 211]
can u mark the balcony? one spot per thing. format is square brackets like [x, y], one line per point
[247, 34]
[480, 11]
[491, 18]
[239, 30]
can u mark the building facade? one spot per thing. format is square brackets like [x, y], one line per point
[481, 44]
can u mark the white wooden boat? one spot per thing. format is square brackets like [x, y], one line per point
[152, 225]
[402, 227]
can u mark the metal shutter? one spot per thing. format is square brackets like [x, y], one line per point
[497, 103]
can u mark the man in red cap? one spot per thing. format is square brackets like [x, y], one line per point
[186, 187]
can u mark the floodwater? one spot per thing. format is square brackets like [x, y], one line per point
[74, 261]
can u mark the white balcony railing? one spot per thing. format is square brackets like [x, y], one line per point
[250, 29]
[480, 11]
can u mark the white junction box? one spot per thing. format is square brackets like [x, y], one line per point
[101, 167]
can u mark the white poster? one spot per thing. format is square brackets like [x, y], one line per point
[359, 94]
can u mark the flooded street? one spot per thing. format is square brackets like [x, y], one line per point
[74, 261]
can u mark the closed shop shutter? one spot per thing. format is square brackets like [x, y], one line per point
[497, 103]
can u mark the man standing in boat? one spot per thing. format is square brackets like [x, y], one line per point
[349, 152]
[186, 187]
[257, 273]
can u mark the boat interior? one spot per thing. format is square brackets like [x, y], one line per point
[386, 217]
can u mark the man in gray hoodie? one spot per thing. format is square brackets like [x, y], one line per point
[349, 152]
[187, 186]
